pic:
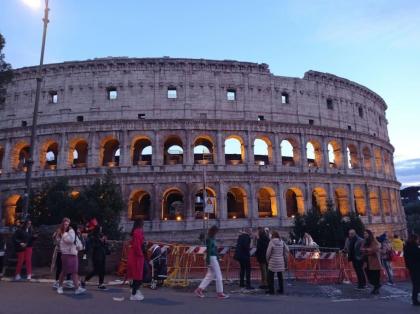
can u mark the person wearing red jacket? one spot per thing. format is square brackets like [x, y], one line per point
[135, 260]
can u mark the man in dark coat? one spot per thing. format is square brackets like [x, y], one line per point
[412, 262]
[242, 255]
[352, 248]
[260, 254]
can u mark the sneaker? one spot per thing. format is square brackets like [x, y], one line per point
[221, 295]
[79, 290]
[102, 287]
[390, 284]
[60, 290]
[29, 277]
[137, 297]
[17, 277]
[199, 293]
[69, 284]
[56, 285]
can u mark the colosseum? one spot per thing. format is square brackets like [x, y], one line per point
[270, 146]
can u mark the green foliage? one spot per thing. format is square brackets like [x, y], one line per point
[6, 73]
[328, 229]
[412, 212]
[101, 200]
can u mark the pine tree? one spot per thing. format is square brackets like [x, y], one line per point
[6, 73]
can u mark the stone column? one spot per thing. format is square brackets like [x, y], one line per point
[124, 149]
[331, 195]
[187, 201]
[282, 213]
[361, 157]
[220, 149]
[381, 203]
[222, 201]
[253, 202]
[367, 202]
[374, 170]
[189, 151]
[155, 210]
[93, 149]
[157, 150]
[63, 152]
[277, 153]
[303, 153]
[7, 158]
[351, 192]
[250, 150]
[325, 155]
[345, 156]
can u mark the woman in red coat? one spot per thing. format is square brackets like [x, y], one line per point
[136, 260]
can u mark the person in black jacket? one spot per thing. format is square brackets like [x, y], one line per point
[412, 262]
[260, 254]
[242, 255]
[23, 239]
[2, 252]
[98, 249]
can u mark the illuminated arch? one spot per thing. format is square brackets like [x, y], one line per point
[294, 202]
[139, 205]
[289, 152]
[374, 202]
[267, 204]
[385, 202]
[314, 153]
[263, 151]
[78, 153]
[342, 200]
[378, 160]
[237, 205]
[367, 158]
[234, 150]
[319, 199]
[173, 207]
[203, 150]
[199, 203]
[12, 207]
[20, 156]
[110, 152]
[334, 154]
[173, 150]
[141, 151]
[359, 201]
[353, 160]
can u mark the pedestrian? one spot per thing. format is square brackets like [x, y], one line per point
[307, 240]
[98, 249]
[277, 255]
[135, 261]
[397, 244]
[56, 259]
[262, 245]
[412, 262]
[371, 252]
[242, 255]
[70, 245]
[2, 253]
[23, 239]
[352, 248]
[387, 254]
[213, 267]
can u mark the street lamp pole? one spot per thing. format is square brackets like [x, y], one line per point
[30, 162]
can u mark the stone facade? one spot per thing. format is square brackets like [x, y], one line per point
[161, 123]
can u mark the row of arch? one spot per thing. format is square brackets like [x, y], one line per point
[204, 152]
[172, 204]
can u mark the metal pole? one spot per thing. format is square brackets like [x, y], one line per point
[204, 201]
[30, 162]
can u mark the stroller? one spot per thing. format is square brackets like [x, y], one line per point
[158, 261]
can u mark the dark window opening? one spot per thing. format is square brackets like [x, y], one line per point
[24, 123]
[284, 98]
[330, 104]
[112, 93]
[261, 118]
[79, 118]
[172, 93]
[141, 116]
[380, 121]
[360, 112]
[311, 122]
[203, 115]
[349, 127]
[231, 94]
[53, 97]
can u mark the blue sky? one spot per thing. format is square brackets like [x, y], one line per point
[375, 43]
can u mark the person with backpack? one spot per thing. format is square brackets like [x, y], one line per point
[98, 249]
[371, 252]
[262, 245]
[387, 254]
[135, 260]
[70, 245]
[213, 267]
[277, 252]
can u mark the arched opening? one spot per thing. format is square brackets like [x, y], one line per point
[289, 152]
[267, 205]
[374, 203]
[234, 150]
[367, 159]
[12, 209]
[20, 157]
[378, 159]
[111, 153]
[319, 200]
[141, 152]
[237, 206]
[263, 151]
[48, 155]
[173, 205]
[139, 205]
[313, 154]
[79, 153]
[359, 201]
[342, 201]
[334, 154]
[394, 206]
[385, 202]
[203, 151]
[173, 150]
[199, 203]
[387, 163]
[294, 202]
[353, 161]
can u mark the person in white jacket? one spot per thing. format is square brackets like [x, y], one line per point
[70, 244]
[277, 253]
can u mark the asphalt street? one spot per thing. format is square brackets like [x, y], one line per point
[34, 298]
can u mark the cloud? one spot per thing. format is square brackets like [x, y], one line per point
[408, 171]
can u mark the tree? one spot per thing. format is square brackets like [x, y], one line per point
[412, 214]
[6, 73]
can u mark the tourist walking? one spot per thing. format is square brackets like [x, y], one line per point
[371, 252]
[213, 267]
[242, 255]
[260, 254]
[412, 262]
[56, 262]
[352, 248]
[2, 252]
[23, 239]
[135, 261]
[277, 254]
[70, 245]
[397, 244]
[387, 254]
[98, 249]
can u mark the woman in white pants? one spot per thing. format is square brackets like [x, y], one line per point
[213, 267]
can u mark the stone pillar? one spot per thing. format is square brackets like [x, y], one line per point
[36, 165]
[351, 192]
[253, 202]
[277, 153]
[381, 203]
[94, 153]
[325, 155]
[250, 150]
[303, 153]
[361, 157]
[220, 149]
[7, 158]
[222, 201]
[187, 201]
[157, 150]
[63, 152]
[367, 202]
[124, 149]
[281, 208]
[331, 195]
[374, 170]
[345, 156]
[155, 210]
[189, 149]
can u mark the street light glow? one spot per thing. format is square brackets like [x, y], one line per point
[33, 4]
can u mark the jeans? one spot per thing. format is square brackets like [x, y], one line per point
[24, 257]
[98, 269]
[358, 268]
[213, 273]
[271, 282]
[374, 277]
[245, 271]
[263, 269]
[415, 280]
[388, 268]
